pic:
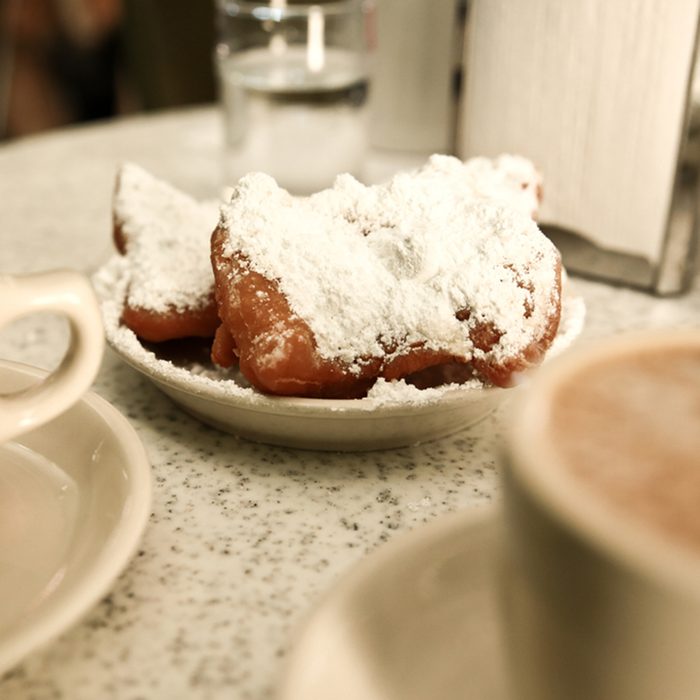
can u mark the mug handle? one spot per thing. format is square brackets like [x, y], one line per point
[71, 295]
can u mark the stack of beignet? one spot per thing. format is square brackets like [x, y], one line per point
[438, 275]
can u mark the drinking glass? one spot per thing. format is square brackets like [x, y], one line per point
[294, 81]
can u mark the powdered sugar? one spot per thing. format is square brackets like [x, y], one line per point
[390, 265]
[385, 393]
[511, 179]
[167, 234]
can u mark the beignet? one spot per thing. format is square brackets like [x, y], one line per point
[165, 235]
[437, 268]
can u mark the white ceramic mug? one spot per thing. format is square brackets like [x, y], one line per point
[69, 294]
[602, 505]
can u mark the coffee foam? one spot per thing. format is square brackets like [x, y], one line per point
[628, 427]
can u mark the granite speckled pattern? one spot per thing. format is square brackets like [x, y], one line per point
[243, 538]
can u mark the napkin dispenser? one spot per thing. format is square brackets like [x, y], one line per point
[598, 95]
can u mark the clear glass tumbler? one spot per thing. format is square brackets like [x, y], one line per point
[294, 81]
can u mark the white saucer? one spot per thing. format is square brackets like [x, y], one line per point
[385, 419]
[75, 497]
[416, 620]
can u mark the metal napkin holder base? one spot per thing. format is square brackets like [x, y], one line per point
[673, 273]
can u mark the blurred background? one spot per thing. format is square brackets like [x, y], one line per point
[68, 61]
[611, 85]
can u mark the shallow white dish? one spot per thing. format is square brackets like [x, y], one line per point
[326, 424]
[415, 620]
[75, 497]
[392, 417]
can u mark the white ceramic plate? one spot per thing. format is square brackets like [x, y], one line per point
[386, 419]
[416, 620]
[75, 497]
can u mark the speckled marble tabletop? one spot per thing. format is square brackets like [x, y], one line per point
[243, 538]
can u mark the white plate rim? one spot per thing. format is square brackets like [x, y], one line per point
[484, 516]
[299, 406]
[120, 548]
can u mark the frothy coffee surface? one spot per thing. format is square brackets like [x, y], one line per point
[630, 428]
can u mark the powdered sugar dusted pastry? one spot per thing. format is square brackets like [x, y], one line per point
[325, 294]
[165, 235]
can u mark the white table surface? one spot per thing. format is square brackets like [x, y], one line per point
[243, 538]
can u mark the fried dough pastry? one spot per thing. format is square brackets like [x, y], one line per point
[425, 277]
[165, 236]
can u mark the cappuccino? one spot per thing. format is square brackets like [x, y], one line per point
[628, 427]
[602, 510]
